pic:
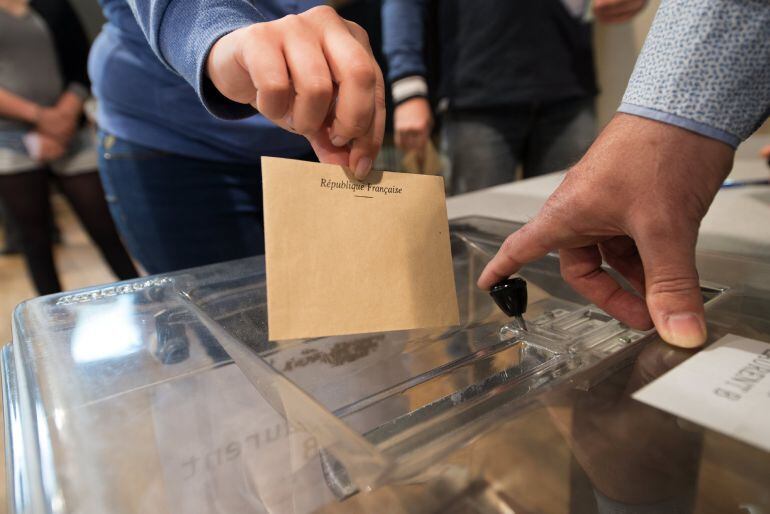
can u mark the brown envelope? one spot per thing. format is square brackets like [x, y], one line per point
[346, 257]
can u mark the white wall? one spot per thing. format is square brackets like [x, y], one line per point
[616, 49]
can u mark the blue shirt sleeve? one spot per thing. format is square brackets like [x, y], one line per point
[182, 32]
[403, 37]
[705, 67]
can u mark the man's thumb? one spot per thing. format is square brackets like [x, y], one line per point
[673, 290]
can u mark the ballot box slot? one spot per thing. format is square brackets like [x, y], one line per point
[466, 414]
[489, 366]
[464, 383]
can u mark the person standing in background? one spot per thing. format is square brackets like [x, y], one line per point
[515, 82]
[180, 85]
[43, 86]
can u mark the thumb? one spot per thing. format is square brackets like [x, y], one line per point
[672, 287]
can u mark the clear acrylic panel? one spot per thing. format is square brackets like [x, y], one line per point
[126, 398]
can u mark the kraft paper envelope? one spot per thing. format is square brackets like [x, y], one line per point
[346, 257]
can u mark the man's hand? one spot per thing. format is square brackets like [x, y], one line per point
[413, 122]
[617, 11]
[765, 152]
[635, 201]
[313, 74]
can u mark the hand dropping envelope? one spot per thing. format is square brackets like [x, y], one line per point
[346, 257]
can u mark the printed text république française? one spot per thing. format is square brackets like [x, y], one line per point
[360, 186]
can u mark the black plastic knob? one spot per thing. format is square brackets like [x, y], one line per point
[511, 296]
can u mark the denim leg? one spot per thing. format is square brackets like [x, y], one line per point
[560, 134]
[176, 212]
[482, 149]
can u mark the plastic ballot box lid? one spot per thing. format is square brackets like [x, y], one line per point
[164, 394]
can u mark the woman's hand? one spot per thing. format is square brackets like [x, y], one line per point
[56, 122]
[312, 73]
[43, 148]
[70, 104]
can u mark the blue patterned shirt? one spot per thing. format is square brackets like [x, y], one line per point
[705, 67]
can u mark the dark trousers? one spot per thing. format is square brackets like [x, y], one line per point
[177, 212]
[26, 199]
[485, 146]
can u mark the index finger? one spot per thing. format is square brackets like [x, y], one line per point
[354, 71]
[531, 242]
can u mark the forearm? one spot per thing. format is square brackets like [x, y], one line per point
[18, 108]
[705, 67]
[182, 32]
[403, 43]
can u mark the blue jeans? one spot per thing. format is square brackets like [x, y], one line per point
[485, 146]
[177, 212]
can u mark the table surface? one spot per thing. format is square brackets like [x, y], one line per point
[737, 221]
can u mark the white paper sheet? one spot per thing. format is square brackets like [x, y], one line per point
[725, 387]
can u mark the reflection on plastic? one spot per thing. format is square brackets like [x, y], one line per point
[130, 403]
[106, 331]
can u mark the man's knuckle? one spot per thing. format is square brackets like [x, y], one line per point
[357, 124]
[672, 284]
[362, 72]
[358, 32]
[326, 10]
[663, 228]
[291, 23]
[318, 88]
[508, 247]
[257, 31]
[273, 86]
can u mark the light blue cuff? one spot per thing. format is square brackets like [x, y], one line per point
[678, 121]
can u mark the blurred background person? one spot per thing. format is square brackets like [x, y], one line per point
[43, 86]
[513, 82]
[11, 236]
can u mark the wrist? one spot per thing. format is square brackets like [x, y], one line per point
[408, 88]
[701, 162]
[32, 113]
[676, 120]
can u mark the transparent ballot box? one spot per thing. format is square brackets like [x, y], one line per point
[164, 394]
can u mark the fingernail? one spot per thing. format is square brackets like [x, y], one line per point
[339, 141]
[363, 166]
[686, 329]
